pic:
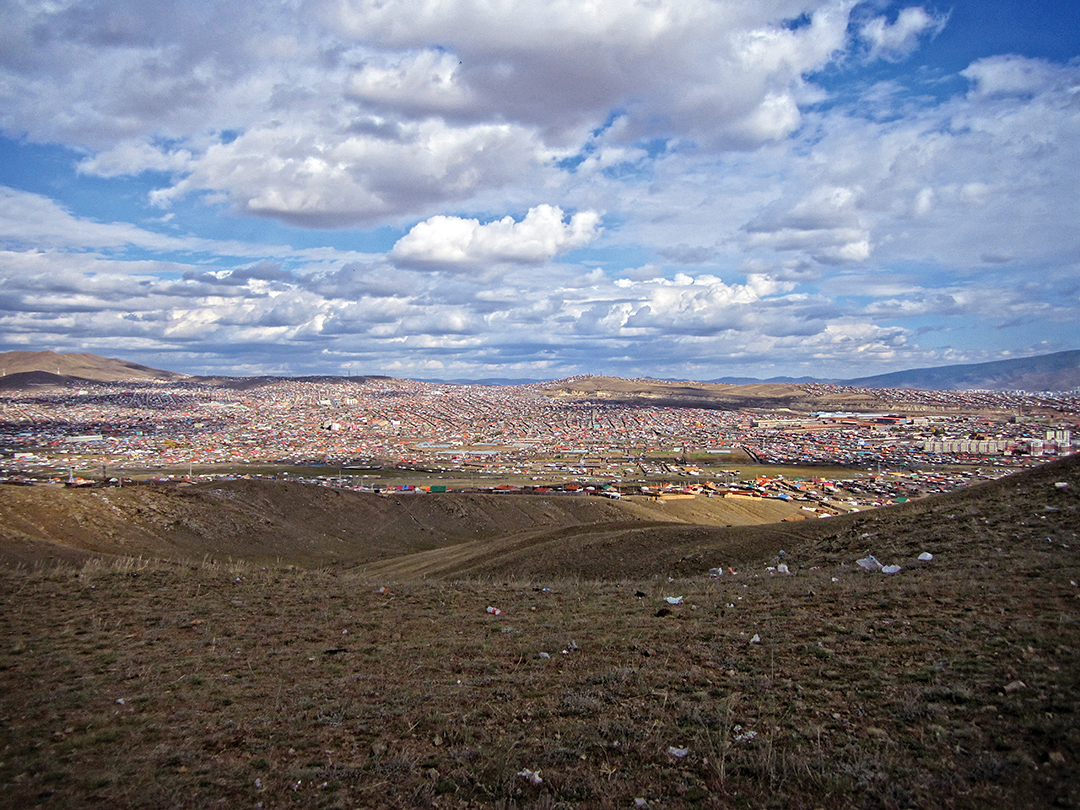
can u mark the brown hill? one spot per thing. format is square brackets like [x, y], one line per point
[303, 524]
[720, 396]
[517, 536]
[54, 367]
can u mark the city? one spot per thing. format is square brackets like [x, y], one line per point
[385, 434]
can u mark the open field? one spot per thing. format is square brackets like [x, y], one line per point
[953, 683]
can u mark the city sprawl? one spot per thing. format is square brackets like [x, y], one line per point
[373, 433]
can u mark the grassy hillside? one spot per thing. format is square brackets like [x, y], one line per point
[953, 683]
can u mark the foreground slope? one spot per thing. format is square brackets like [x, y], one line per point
[954, 683]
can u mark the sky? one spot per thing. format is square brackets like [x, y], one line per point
[475, 189]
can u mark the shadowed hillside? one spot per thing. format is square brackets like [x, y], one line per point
[305, 524]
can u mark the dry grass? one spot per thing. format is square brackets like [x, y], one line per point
[141, 684]
[955, 684]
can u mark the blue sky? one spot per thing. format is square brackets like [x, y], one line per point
[456, 189]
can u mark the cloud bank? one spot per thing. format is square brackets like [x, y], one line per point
[458, 188]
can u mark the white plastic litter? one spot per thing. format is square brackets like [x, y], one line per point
[890, 569]
[545, 655]
[532, 776]
[494, 611]
[756, 639]
[716, 573]
[743, 736]
[678, 752]
[926, 556]
[870, 563]
[673, 600]
[1062, 485]
[782, 569]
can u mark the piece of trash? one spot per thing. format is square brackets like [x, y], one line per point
[641, 802]
[673, 600]
[782, 569]
[532, 776]
[836, 579]
[120, 701]
[731, 570]
[640, 594]
[384, 591]
[572, 646]
[870, 563]
[756, 639]
[1015, 686]
[1062, 484]
[782, 553]
[743, 736]
[662, 612]
[678, 752]
[926, 556]
[545, 655]
[716, 572]
[494, 611]
[890, 569]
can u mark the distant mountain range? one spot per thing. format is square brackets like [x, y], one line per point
[1048, 372]
[1045, 372]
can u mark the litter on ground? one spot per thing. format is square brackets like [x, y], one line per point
[926, 556]
[673, 600]
[870, 563]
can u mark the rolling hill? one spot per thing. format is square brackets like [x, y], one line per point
[507, 652]
[1048, 372]
[22, 368]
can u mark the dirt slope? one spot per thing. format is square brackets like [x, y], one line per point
[308, 525]
[267, 521]
[514, 536]
[1026, 506]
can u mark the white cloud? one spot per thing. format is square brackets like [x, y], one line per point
[336, 178]
[352, 112]
[1011, 75]
[896, 40]
[540, 236]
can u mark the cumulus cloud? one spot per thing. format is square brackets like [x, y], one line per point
[540, 236]
[334, 114]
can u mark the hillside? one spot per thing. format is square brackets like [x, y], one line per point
[1048, 372]
[688, 394]
[303, 524]
[22, 368]
[585, 664]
